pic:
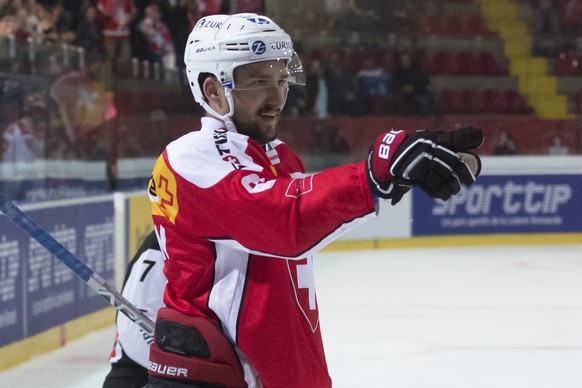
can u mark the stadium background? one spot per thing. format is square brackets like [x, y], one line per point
[90, 195]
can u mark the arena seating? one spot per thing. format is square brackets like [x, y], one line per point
[459, 48]
[489, 101]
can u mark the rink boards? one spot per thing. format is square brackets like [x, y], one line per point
[43, 305]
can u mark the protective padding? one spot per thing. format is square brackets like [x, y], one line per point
[221, 367]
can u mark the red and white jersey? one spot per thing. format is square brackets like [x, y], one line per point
[20, 144]
[239, 223]
[116, 16]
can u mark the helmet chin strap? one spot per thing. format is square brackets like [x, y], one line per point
[227, 118]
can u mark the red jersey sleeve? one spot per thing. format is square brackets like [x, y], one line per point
[254, 200]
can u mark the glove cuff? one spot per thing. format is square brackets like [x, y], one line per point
[385, 189]
[382, 155]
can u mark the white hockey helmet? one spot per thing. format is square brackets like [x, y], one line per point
[219, 44]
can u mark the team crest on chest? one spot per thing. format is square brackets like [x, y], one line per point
[301, 274]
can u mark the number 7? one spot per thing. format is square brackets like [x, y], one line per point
[150, 264]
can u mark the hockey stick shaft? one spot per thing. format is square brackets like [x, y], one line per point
[84, 272]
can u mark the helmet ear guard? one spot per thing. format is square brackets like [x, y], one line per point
[218, 44]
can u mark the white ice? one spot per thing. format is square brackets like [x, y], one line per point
[472, 317]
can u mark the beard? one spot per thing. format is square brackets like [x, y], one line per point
[262, 129]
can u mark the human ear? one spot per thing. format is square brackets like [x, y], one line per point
[214, 94]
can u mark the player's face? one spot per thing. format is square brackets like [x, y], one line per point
[259, 97]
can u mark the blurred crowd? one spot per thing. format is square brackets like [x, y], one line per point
[386, 84]
[70, 117]
[112, 32]
[119, 36]
[366, 71]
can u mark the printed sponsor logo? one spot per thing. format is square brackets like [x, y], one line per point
[221, 143]
[274, 159]
[259, 47]
[282, 45]
[168, 370]
[259, 20]
[205, 49]
[299, 187]
[387, 140]
[512, 198]
[204, 23]
[152, 190]
[162, 191]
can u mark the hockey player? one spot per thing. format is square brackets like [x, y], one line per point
[238, 220]
[143, 286]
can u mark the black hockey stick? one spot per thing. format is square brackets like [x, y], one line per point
[90, 277]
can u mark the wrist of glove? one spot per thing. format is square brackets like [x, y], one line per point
[438, 162]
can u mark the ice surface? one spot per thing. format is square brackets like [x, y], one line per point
[478, 317]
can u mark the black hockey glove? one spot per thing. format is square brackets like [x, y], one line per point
[436, 161]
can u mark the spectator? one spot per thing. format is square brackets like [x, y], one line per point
[24, 138]
[20, 19]
[44, 30]
[89, 35]
[62, 22]
[342, 89]
[23, 142]
[54, 23]
[506, 145]
[159, 39]
[374, 86]
[557, 148]
[181, 20]
[9, 21]
[411, 82]
[546, 17]
[75, 9]
[317, 96]
[27, 23]
[116, 17]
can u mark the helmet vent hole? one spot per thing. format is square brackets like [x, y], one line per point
[237, 46]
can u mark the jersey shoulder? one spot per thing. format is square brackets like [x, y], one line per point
[205, 157]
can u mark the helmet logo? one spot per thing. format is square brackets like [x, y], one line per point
[283, 45]
[259, 20]
[259, 47]
[204, 23]
[199, 24]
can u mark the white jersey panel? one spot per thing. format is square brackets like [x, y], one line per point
[225, 300]
[194, 157]
[230, 270]
[145, 289]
